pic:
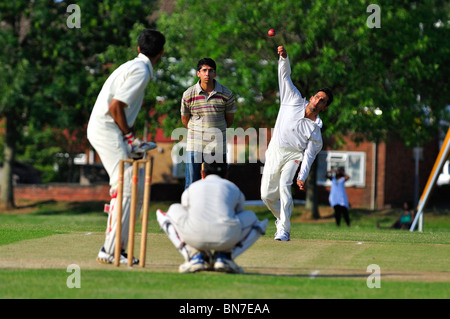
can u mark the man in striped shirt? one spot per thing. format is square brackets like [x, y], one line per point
[207, 110]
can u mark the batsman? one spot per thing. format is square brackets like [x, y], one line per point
[111, 133]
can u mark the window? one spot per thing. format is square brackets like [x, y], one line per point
[354, 164]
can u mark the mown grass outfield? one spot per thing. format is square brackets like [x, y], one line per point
[39, 241]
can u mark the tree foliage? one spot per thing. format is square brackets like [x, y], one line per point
[50, 74]
[388, 80]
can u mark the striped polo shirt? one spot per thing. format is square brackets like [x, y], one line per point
[207, 125]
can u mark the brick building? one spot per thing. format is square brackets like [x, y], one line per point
[388, 169]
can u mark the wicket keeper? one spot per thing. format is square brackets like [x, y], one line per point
[211, 218]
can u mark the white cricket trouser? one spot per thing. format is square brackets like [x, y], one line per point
[196, 241]
[110, 147]
[108, 143]
[279, 171]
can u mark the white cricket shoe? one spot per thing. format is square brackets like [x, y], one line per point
[282, 236]
[226, 264]
[104, 258]
[196, 263]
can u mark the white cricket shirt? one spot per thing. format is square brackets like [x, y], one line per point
[126, 84]
[213, 203]
[292, 130]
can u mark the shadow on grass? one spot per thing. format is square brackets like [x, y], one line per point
[48, 208]
[69, 208]
[36, 204]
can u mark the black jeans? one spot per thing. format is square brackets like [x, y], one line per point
[341, 211]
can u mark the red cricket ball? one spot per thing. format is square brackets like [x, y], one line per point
[271, 33]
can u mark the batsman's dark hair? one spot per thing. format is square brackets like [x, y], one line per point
[215, 168]
[151, 42]
[206, 61]
[328, 92]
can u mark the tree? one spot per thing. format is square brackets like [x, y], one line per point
[51, 74]
[388, 80]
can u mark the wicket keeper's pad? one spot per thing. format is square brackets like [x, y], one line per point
[110, 239]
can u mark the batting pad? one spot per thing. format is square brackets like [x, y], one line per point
[110, 239]
[257, 230]
[171, 232]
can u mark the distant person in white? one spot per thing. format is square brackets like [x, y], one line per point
[111, 131]
[338, 196]
[297, 139]
[211, 217]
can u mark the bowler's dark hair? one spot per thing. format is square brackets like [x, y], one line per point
[151, 42]
[206, 61]
[328, 92]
